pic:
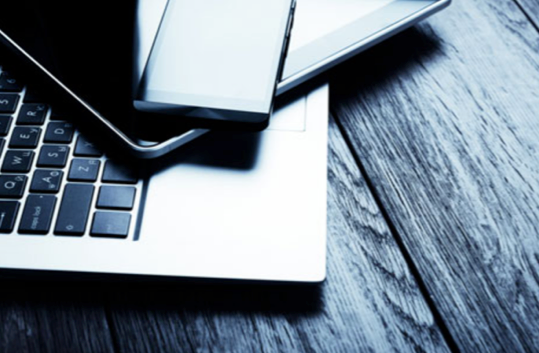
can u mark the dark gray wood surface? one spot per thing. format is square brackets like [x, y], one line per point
[52, 317]
[446, 131]
[432, 219]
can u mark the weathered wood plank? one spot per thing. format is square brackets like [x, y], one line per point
[370, 302]
[444, 121]
[531, 7]
[52, 317]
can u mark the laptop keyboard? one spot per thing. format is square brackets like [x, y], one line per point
[53, 180]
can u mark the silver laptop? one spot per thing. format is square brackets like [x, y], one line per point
[244, 206]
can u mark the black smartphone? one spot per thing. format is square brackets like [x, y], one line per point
[218, 60]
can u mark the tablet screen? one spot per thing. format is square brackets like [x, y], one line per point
[90, 46]
[329, 16]
[325, 30]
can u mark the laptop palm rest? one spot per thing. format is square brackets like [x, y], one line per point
[252, 206]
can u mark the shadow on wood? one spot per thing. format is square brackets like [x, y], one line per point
[163, 295]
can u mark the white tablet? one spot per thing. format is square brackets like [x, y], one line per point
[327, 32]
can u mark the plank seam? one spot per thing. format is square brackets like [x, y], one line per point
[416, 274]
[113, 332]
[528, 17]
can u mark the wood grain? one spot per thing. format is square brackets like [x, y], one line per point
[444, 121]
[52, 317]
[531, 8]
[369, 303]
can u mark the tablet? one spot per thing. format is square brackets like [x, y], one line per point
[85, 58]
[327, 32]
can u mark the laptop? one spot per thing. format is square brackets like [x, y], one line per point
[245, 206]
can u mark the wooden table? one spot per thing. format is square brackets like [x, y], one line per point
[433, 238]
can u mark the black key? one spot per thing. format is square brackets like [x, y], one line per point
[25, 137]
[12, 186]
[53, 156]
[8, 103]
[31, 96]
[9, 84]
[58, 114]
[84, 170]
[37, 215]
[8, 214]
[5, 124]
[116, 197]
[18, 161]
[32, 114]
[45, 180]
[111, 224]
[2, 144]
[59, 132]
[117, 173]
[74, 210]
[85, 148]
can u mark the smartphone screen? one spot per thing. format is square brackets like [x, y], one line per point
[218, 59]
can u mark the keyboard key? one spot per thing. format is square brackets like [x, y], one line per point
[12, 186]
[8, 103]
[45, 180]
[18, 161]
[74, 210]
[117, 173]
[84, 170]
[32, 114]
[85, 148]
[9, 84]
[8, 214]
[37, 214]
[58, 114]
[5, 124]
[59, 132]
[53, 156]
[116, 197]
[2, 144]
[31, 96]
[25, 137]
[111, 224]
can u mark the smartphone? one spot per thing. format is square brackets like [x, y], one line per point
[218, 62]
[85, 58]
